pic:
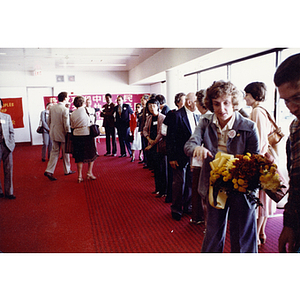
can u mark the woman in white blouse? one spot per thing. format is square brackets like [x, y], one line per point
[255, 95]
[84, 148]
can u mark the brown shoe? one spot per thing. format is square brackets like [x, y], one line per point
[50, 176]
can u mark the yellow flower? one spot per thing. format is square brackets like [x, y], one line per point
[242, 190]
[225, 173]
[241, 181]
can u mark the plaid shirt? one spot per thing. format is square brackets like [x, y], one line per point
[292, 208]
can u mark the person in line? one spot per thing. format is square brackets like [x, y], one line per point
[59, 124]
[84, 146]
[47, 143]
[152, 132]
[255, 94]
[287, 80]
[163, 107]
[179, 131]
[210, 137]
[142, 121]
[122, 117]
[108, 123]
[179, 102]
[7, 146]
[198, 205]
[91, 110]
[135, 132]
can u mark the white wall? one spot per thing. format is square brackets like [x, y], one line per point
[15, 84]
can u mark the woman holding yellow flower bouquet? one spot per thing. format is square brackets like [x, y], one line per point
[227, 131]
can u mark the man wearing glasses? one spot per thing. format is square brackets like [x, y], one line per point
[287, 80]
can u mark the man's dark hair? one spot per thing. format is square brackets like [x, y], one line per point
[62, 96]
[178, 98]
[153, 101]
[288, 71]
[108, 95]
[161, 99]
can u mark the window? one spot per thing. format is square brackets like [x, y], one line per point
[257, 69]
[208, 77]
[190, 83]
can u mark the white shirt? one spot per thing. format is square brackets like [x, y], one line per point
[191, 119]
[223, 132]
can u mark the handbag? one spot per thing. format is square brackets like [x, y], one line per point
[284, 188]
[281, 191]
[68, 143]
[94, 130]
[40, 129]
[274, 137]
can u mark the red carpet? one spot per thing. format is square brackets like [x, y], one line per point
[114, 214]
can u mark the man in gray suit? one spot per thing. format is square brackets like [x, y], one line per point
[59, 123]
[7, 146]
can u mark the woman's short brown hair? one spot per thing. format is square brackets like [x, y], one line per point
[78, 101]
[257, 90]
[220, 89]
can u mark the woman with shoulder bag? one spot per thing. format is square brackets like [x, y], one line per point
[255, 95]
[47, 142]
[84, 148]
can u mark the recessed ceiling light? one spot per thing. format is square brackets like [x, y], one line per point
[92, 65]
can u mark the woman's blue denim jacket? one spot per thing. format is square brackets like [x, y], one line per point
[205, 134]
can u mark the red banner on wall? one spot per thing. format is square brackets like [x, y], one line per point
[99, 100]
[14, 107]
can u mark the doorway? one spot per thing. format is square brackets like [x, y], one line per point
[35, 96]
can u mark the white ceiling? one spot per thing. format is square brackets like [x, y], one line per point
[76, 59]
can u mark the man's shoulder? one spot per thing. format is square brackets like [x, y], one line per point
[180, 112]
[58, 107]
[4, 115]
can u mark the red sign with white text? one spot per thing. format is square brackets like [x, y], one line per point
[14, 107]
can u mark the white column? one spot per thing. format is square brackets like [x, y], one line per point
[173, 86]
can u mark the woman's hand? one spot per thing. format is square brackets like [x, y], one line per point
[148, 147]
[151, 142]
[269, 157]
[202, 153]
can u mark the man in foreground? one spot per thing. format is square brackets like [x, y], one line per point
[7, 146]
[287, 80]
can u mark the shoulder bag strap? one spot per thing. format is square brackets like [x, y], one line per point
[270, 118]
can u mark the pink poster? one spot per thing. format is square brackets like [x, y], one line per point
[99, 100]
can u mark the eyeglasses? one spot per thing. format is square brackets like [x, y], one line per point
[294, 99]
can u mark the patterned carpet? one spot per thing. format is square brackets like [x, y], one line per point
[117, 213]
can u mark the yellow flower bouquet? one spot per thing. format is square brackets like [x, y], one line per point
[243, 174]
